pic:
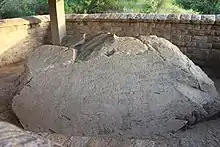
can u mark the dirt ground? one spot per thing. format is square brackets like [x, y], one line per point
[9, 80]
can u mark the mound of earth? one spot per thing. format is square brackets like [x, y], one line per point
[119, 86]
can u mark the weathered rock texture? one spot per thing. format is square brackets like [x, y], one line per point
[122, 86]
[11, 135]
[202, 135]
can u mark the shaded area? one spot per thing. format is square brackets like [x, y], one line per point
[12, 79]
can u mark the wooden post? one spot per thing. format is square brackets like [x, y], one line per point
[57, 19]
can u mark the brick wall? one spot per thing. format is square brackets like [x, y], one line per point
[19, 36]
[198, 36]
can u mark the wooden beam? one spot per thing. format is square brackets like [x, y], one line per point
[57, 19]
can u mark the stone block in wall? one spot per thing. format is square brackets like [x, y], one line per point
[157, 32]
[150, 17]
[206, 27]
[213, 39]
[216, 27]
[198, 54]
[215, 55]
[68, 25]
[209, 33]
[203, 45]
[92, 26]
[200, 38]
[216, 45]
[182, 38]
[176, 30]
[185, 18]
[173, 18]
[117, 29]
[145, 28]
[163, 26]
[217, 33]
[190, 44]
[186, 38]
[202, 32]
[207, 19]
[217, 19]
[106, 26]
[183, 26]
[134, 28]
[196, 19]
[196, 32]
[175, 37]
[196, 27]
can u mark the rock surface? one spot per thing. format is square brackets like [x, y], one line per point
[202, 135]
[206, 134]
[122, 86]
[11, 135]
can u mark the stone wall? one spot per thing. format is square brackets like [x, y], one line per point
[198, 36]
[18, 36]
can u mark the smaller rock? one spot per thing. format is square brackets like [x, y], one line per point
[14, 136]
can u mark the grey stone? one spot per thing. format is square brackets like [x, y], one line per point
[49, 56]
[150, 17]
[173, 18]
[207, 19]
[11, 135]
[196, 19]
[122, 86]
[201, 135]
[161, 17]
[217, 19]
[185, 18]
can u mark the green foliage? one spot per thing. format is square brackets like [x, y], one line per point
[40, 7]
[2, 3]
[91, 6]
[202, 6]
[20, 8]
[153, 6]
[169, 6]
[16, 8]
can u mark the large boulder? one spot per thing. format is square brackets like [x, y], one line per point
[118, 86]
